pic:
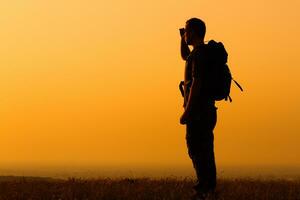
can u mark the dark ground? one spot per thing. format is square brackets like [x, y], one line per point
[33, 188]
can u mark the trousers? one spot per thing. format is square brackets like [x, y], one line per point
[200, 144]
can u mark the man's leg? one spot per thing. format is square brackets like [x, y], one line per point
[200, 142]
[204, 164]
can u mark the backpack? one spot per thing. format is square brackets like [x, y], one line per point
[220, 80]
[220, 76]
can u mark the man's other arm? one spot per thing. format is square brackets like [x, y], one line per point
[195, 91]
[193, 95]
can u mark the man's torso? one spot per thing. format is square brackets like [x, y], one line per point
[201, 60]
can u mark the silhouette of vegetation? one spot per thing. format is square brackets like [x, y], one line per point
[143, 189]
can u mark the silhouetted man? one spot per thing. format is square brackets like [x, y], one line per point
[200, 114]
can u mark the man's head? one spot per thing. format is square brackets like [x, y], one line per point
[194, 31]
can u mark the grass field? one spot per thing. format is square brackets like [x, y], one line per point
[33, 188]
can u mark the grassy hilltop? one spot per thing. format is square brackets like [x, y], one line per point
[33, 188]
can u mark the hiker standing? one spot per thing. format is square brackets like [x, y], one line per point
[200, 114]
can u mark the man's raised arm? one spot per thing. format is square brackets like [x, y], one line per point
[185, 50]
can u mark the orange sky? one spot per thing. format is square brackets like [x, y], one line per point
[96, 82]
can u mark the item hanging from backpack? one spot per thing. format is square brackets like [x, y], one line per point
[220, 77]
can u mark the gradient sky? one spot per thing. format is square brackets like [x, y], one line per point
[96, 82]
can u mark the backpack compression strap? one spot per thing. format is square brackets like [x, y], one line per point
[238, 85]
[228, 97]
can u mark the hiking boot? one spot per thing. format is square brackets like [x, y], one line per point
[201, 189]
[205, 196]
[200, 196]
